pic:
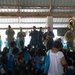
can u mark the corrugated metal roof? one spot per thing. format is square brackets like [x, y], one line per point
[37, 3]
[61, 20]
[63, 2]
[58, 6]
[22, 4]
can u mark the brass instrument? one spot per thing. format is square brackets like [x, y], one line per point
[71, 23]
[70, 34]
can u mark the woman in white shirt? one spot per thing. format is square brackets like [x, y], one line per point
[57, 60]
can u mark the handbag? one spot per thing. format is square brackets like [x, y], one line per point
[47, 63]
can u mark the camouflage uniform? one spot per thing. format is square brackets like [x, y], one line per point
[10, 36]
[21, 38]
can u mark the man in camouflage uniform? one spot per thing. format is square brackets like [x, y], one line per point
[10, 35]
[21, 37]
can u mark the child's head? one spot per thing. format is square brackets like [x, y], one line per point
[57, 44]
[5, 51]
[15, 51]
[12, 44]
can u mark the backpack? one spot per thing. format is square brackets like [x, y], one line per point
[47, 63]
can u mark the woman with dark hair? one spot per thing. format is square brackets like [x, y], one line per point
[57, 60]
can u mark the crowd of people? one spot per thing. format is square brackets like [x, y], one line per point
[31, 59]
[38, 38]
